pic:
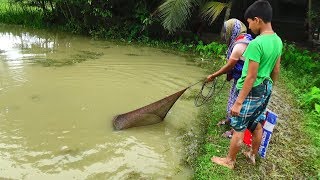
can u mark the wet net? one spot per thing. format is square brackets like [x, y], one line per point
[157, 111]
[150, 114]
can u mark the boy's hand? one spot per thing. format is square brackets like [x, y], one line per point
[235, 110]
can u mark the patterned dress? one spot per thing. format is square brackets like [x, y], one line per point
[235, 33]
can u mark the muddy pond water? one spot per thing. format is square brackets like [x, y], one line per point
[59, 93]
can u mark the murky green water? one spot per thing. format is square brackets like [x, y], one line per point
[58, 94]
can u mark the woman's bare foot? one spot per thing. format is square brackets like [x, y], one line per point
[250, 157]
[223, 122]
[223, 162]
[228, 134]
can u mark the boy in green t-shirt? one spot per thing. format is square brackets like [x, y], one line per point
[260, 71]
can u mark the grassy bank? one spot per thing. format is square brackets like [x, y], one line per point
[294, 151]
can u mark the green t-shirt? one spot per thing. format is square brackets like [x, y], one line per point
[265, 50]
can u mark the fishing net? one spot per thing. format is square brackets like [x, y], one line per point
[150, 114]
[157, 111]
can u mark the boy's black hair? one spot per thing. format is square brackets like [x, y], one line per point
[261, 9]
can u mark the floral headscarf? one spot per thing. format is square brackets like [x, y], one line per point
[235, 32]
[231, 30]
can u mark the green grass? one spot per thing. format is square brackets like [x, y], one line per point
[16, 14]
[293, 151]
[310, 120]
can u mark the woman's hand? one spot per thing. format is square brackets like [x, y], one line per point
[210, 78]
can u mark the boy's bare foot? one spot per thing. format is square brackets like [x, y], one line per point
[223, 162]
[251, 158]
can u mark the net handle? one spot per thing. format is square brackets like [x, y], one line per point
[201, 80]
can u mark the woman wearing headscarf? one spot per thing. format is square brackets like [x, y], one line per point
[234, 32]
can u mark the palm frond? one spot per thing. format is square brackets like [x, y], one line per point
[174, 13]
[199, 2]
[211, 10]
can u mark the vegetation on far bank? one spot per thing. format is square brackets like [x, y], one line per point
[295, 146]
[20, 15]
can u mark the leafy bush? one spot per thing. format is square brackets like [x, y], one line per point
[17, 14]
[299, 60]
[304, 68]
[213, 49]
[312, 99]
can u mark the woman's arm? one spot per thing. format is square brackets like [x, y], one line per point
[232, 61]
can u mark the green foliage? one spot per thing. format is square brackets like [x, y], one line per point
[301, 75]
[304, 68]
[317, 108]
[213, 49]
[18, 14]
[142, 15]
[101, 19]
[299, 60]
[303, 65]
[211, 10]
[311, 99]
[175, 13]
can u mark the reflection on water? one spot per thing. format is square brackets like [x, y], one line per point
[12, 46]
[59, 93]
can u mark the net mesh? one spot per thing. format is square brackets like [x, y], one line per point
[150, 114]
[157, 111]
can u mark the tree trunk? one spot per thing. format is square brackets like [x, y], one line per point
[43, 6]
[228, 10]
[309, 20]
[51, 5]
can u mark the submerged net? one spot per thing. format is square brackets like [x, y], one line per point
[157, 111]
[150, 114]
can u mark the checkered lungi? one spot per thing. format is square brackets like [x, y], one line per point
[253, 107]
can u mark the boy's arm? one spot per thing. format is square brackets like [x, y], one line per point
[247, 86]
[276, 70]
